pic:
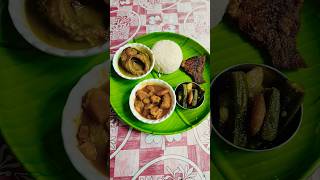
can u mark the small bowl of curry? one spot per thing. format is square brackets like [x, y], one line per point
[133, 61]
[152, 101]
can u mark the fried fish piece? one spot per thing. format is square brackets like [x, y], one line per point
[194, 67]
[273, 25]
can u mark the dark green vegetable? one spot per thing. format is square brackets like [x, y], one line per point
[271, 122]
[240, 91]
[185, 95]
[195, 97]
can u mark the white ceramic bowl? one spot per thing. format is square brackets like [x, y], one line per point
[72, 111]
[116, 57]
[17, 12]
[142, 85]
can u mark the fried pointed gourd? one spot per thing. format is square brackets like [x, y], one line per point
[269, 129]
[185, 95]
[195, 97]
[240, 93]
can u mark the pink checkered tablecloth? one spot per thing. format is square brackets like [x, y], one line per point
[136, 155]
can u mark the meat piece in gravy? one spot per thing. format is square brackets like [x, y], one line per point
[155, 99]
[139, 106]
[141, 94]
[166, 101]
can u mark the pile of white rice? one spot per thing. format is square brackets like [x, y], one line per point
[168, 56]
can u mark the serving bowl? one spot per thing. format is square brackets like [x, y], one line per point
[116, 57]
[17, 11]
[197, 87]
[142, 85]
[274, 74]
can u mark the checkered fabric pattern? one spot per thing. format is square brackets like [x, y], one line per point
[136, 155]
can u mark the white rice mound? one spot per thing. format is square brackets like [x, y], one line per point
[167, 55]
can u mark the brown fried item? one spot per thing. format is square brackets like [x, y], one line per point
[155, 99]
[166, 101]
[150, 88]
[83, 133]
[194, 67]
[95, 105]
[272, 25]
[149, 106]
[142, 94]
[146, 101]
[156, 112]
[163, 92]
[89, 150]
[139, 106]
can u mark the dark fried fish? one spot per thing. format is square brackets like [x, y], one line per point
[194, 67]
[273, 25]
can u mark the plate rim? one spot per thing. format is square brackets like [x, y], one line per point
[82, 165]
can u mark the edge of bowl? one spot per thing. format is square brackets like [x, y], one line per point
[116, 57]
[141, 85]
[189, 108]
[69, 127]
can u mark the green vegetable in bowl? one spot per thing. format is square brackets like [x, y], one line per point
[189, 95]
[270, 127]
[256, 107]
[241, 102]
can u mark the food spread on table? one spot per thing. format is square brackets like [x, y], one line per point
[154, 101]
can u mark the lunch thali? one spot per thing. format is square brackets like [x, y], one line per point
[181, 120]
[300, 156]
